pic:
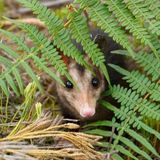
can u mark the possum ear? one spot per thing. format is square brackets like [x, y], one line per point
[65, 59]
[100, 40]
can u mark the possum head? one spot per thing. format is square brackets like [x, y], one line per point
[80, 101]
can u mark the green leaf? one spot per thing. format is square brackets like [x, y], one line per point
[119, 148]
[47, 70]
[100, 14]
[127, 20]
[80, 32]
[11, 83]
[56, 28]
[100, 132]
[117, 157]
[143, 141]
[8, 50]
[6, 62]
[4, 87]
[18, 79]
[102, 123]
[119, 69]
[130, 144]
[30, 72]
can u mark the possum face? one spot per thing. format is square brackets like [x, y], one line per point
[81, 100]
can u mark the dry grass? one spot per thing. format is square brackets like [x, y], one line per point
[29, 143]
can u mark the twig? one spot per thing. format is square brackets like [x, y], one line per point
[34, 21]
[47, 4]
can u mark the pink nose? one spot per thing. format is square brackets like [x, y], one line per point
[87, 113]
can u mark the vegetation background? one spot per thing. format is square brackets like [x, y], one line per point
[27, 51]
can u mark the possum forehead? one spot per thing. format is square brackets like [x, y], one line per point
[83, 79]
[81, 76]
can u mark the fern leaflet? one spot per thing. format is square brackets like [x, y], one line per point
[104, 19]
[140, 83]
[127, 20]
[80, 32]
[61, 36]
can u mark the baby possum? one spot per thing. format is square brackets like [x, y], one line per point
[81, 102]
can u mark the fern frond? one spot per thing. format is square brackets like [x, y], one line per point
[120, 148]
[130, 99]
[11, 83]
[15, 71]
[42, 43]
[141, 11]
[139, 8]
[99, 13]
[125, 141]
[4, 88]
[134, 121]
[8, 64]
[45, 46]
[127, 20]
[148, 62]
[18, 40]
[154, 8]
[21, 61]
[117, 157]
[19, 80]
[135, 148]
[49, 53]
[139, 83]
[61, 36]
[40, 63]
[80, 32]
[142, 140]
[13, 66]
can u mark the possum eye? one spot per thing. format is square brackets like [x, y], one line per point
[68, 84]
[95, 82]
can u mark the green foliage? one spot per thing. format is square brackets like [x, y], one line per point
[140, 83]
[121, 19]
[61, 40]
[128, 21]
[138, 103]
[100, 14]
[144, 14]
[2, 8]
[80, 32]
[56, 28]
[17, 60]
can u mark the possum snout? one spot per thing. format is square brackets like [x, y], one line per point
[87, 111]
